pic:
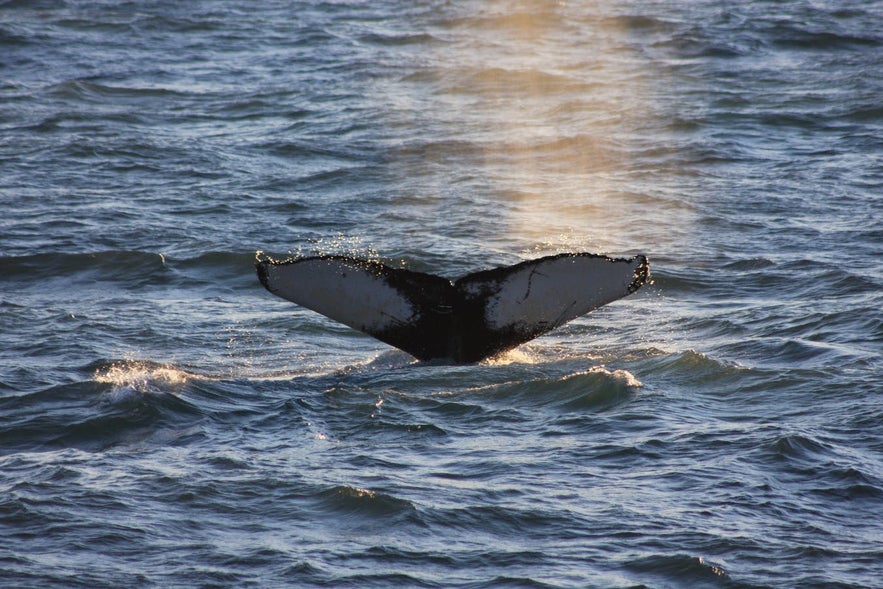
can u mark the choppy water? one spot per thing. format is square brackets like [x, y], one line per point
[164, 421]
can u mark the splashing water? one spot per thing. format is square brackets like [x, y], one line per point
[134, 378]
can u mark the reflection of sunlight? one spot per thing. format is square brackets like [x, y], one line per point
[537, 117]
[561, 114]
[137, 375]
[132, 378]
[518, 355]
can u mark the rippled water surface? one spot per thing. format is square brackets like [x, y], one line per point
[164, 421]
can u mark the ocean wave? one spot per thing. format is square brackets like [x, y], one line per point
[826, 469]
[523, 522]
[15, 36]
[124, 403]
[135, 378]
[800, 447]
[390, 39]
[791, 280]
[362, 504]
[91, 427]
[844, 482]
[594, 389]
[789, 33]
[108, 264]
[132, 270]
[691, 366]
[682, 569]
[91, 90]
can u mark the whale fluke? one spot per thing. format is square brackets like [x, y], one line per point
[478, 316]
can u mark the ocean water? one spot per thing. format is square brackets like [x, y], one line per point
[166, 422]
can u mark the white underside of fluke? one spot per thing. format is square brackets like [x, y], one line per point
[345, 291]
[551, 293]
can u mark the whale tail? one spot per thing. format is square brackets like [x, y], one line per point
[478, 316]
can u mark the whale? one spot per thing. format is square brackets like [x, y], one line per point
[465, 321]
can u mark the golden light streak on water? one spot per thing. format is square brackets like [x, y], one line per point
[545, 101]
[563, 91]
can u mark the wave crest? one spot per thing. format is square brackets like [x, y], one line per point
[134, 378]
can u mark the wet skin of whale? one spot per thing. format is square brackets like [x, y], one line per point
[475, 317]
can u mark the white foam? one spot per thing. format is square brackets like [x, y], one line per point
[622, 376]
[135, 378]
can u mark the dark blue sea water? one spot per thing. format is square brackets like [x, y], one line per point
[166, 422]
